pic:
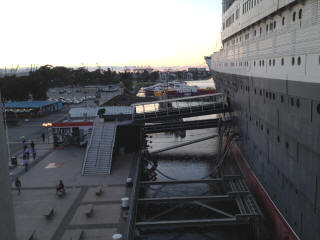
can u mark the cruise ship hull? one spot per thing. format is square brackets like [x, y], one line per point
[279, 123]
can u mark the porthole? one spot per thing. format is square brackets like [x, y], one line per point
[300, 13]
[294, 16]
[282, 61]
[283, 21]
[282, 99]
[292, 61]
[274, 62]
[318, 108]
[292, 101]
[299, 60]
[298, 102]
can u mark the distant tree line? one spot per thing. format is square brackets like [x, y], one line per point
[39, 81]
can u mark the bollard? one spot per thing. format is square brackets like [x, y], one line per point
[125, 202]
[129, 182]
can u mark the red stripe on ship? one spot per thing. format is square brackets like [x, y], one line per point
[282, 229]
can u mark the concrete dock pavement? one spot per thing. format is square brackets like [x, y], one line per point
[42, 150]
[38, 196]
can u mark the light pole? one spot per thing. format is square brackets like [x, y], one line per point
[6, 129]
[7, 223]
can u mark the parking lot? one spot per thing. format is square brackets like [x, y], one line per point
[81, 96]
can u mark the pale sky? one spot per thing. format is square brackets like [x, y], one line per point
[108, 32]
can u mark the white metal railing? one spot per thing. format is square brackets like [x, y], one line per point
[87, 150]
[113, 141]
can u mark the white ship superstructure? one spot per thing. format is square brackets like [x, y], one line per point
[269, 67]
[271, 38]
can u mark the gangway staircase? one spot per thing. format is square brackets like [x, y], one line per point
[98, 156]
[176, 108]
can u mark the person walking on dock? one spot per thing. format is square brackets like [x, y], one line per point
[25, 145]
[43, 136]
[26, 155]
[34, 154]
[32, 145]
[25, 162]
[17, 183]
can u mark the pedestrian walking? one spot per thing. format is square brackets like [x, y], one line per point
[17, 183]
[25, 163]
[34, 154]
[32, 145]
[43, 136]
[27, 153]
[25, 145]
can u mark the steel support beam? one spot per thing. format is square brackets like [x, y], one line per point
[214, 209]
[187, 198]
[225, 178]
[194, 222]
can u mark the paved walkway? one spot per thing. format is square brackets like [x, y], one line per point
[38, 196]
[42, 150]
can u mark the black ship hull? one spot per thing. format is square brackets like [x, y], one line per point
[279, 121]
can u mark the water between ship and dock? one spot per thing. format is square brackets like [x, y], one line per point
[189, 162]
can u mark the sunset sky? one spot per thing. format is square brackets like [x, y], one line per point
[108, 32]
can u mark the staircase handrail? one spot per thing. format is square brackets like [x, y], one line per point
[87, 150]
[113, 141]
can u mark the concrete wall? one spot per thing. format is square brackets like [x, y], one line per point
[7, 225]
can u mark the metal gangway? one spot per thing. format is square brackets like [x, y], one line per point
[186, 125]
[98, 156]
[180, 108]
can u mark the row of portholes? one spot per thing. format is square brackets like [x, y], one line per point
[297, 102]
[272, 96]
[272, 62]
[268, 133]
[272, 25]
